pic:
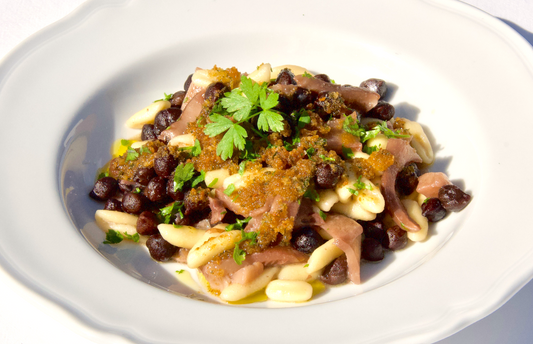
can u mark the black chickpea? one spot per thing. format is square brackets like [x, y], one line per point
[104, 189]
[377, 85]
[147, 223]
[336, 272]
[133, 203]
[156, 190]
[165, 165]
[160, 249]
[306, 240]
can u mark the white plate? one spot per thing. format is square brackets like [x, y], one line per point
[65, 93]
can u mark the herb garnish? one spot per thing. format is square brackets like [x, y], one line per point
[167, 97]
[312, 194]
[114, 237]
[194, 150]
[183, 173]
[359, 185]
[241, 105]
[165, 214]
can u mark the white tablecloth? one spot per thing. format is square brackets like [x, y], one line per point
[23, 322]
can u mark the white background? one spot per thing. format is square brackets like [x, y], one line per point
[23, 323]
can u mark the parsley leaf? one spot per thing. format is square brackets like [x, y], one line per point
[114, 237]
[166, 213]
[322, 214]
[238, 254]
[167, 97]
[348, 153]
[195, 150]
[131, 154]
[183, 173]
[371, 149]
[242, 167]
[242, 104]
[359, 185]
[198, 179]
[326, 158]
[229, 190]
[312, 194]
[213, 183]
[307, 75]
[238, 225]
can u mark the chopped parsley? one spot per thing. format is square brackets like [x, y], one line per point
[307, 75]
[182, 174]
[312, 194]
[167, 97]
[165, 214]
[371, 149]
[242, 167]
[238, 225]
[359, 185]
[238, 254]
[326, 158]
[322, 214]
[131, 154]
[195, 150]
[348, 153]
[240, 105]
[351, 126]
[114, 237]
[198, 179]
[229, 190]
[213, 183]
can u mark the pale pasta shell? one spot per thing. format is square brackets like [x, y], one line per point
[354, 210]
[138, 144]
[289, 291]
[420, 141]
[371, 200]
[185, 140]
[296, 70]
[219, 175]
[181, 236]
[147, 115]
[116, 220]
[328, 198]
[212, 247]
[201, 78]
[415, 212]
[323, 255]
[297, 272]
[261, 74]
[379, 141]
[236, 292]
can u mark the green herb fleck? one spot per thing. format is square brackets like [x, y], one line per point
[312, 194]
[165, 214]
[242, 167]
[229, 190]
[167, 97]
[238, 225]
[213, 183]
[180, 271]
[182, 174]
[322, 214]
[195, 150]
[307, 75]
[326, 158]
[348, 153]
[198, 179]
[131, 154]
[114, 237]
[242, 104]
